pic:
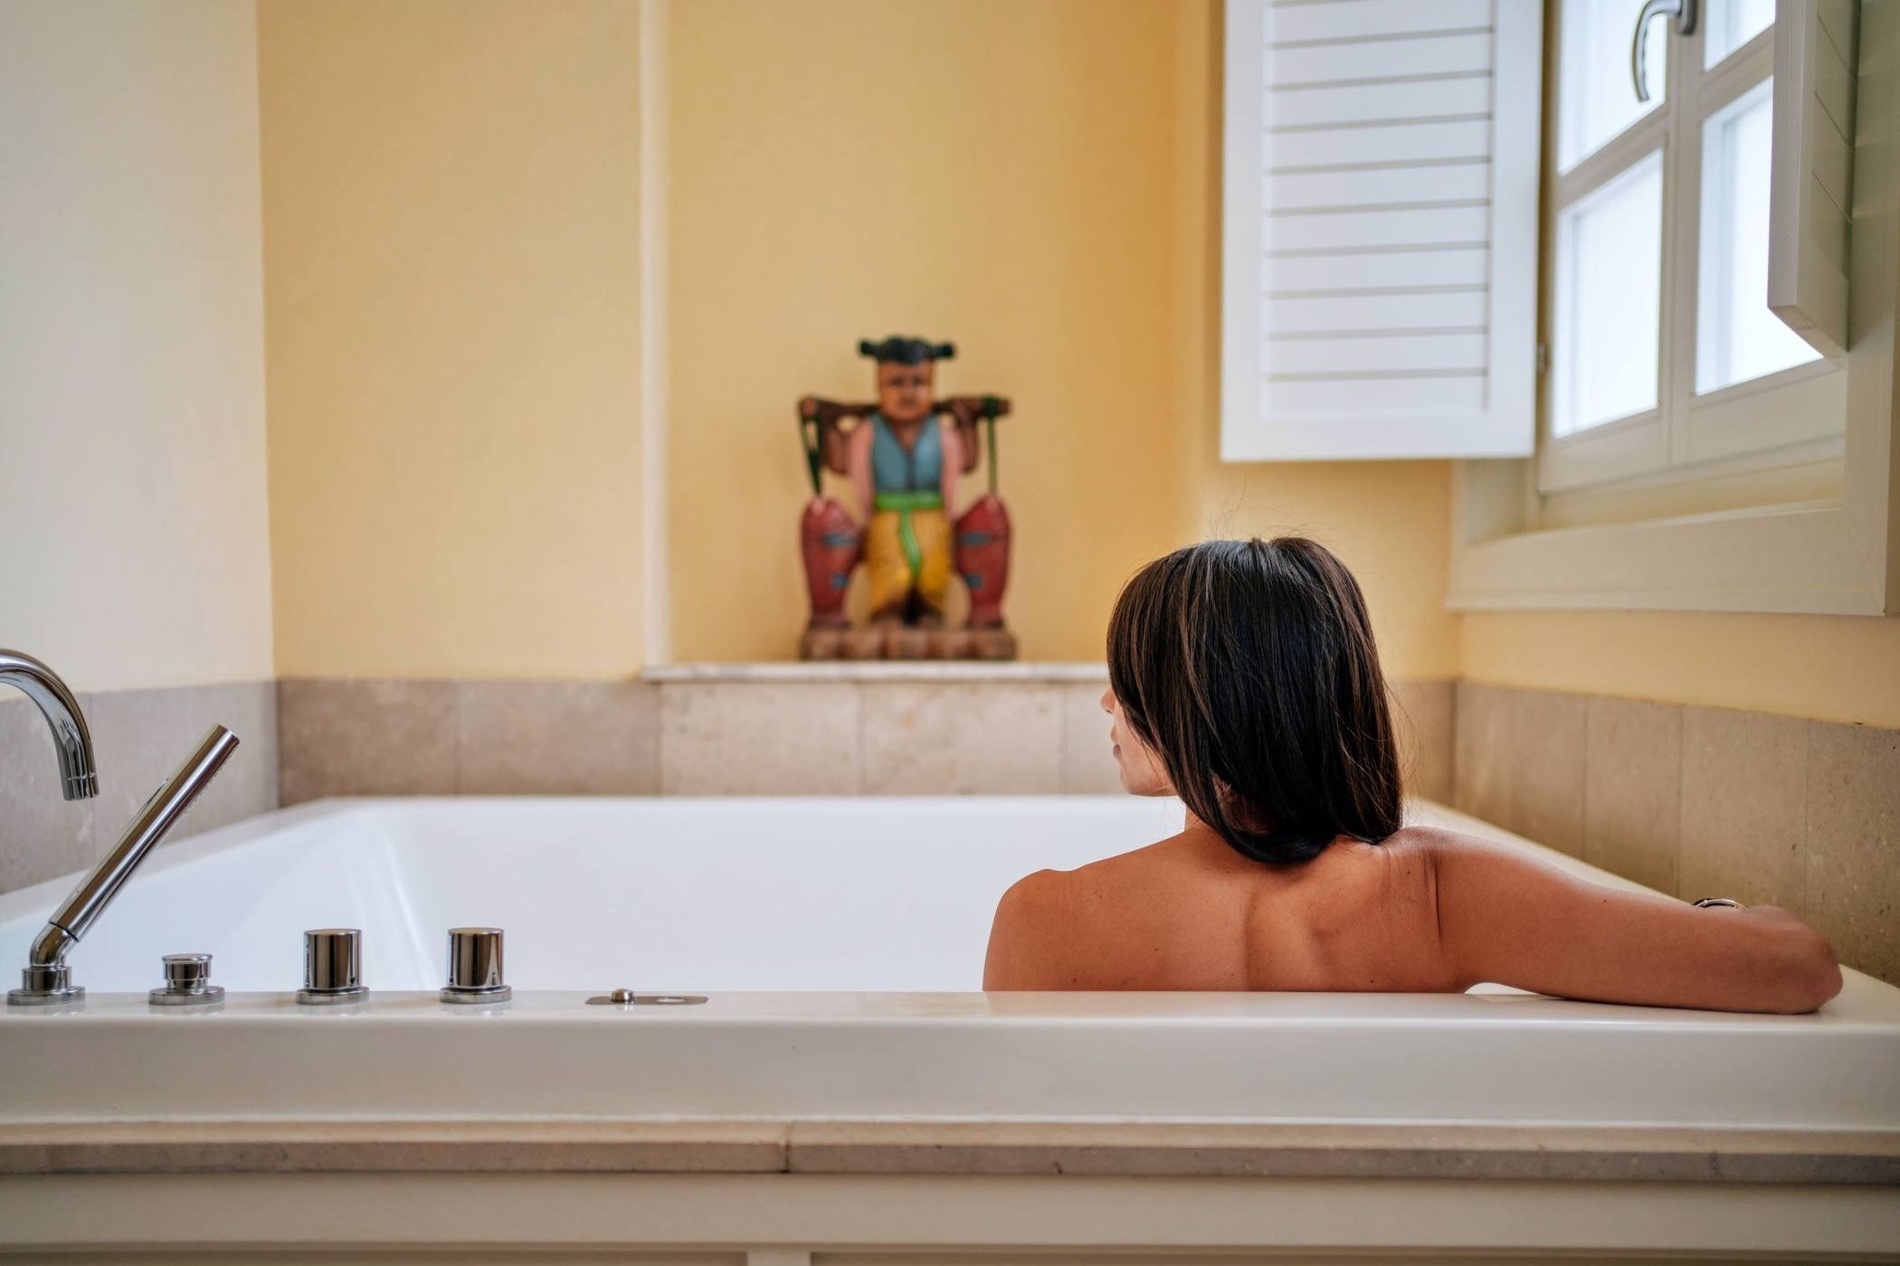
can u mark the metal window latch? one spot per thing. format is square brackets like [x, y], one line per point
[1683, 11]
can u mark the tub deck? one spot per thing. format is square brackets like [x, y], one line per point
[1488, 1093]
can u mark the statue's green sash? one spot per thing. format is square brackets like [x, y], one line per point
[903, 503]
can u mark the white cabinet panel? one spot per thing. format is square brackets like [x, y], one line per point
[1376, 354]
[1463, 310]
[1380, 228]
[1379, 102]
[1383, 272]
[1360, 19]
[1392, 144]
[1466, 181]
[1430, 55]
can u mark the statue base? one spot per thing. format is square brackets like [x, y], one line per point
[904, 643]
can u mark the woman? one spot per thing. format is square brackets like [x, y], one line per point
[1243, 678]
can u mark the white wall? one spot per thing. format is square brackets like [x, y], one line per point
[134, 543]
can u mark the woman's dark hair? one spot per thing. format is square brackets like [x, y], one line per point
[1249, 667]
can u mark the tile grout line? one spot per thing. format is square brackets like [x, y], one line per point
[455, 729]
[1063, 740]
[1583, 784]
[659, 738]
[1682, 798]
[1514, 769]
[1801, 871]
[1682, 775]
[858, 766]
[1451, 741]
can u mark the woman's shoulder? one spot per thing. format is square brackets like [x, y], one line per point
[1034, 925]
[1427, 845]
[1047, 916]
[1046, 891]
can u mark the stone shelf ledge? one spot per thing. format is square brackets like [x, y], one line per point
[921, 670]
[958, 1147]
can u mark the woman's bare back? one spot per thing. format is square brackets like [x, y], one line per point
[1190, 913]
[1426, 911]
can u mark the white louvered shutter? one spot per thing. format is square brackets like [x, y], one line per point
[1811, 192]
[1380, 228]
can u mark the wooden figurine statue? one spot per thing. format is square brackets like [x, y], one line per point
[903, 454]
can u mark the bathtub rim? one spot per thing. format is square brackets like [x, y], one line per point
[939, 1145]
[1873, 1001]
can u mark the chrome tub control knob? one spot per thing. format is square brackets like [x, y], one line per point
[187, 983]
[46, 984]
[475, 967]
[332, 967]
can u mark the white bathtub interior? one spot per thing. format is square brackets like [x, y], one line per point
[843, 894]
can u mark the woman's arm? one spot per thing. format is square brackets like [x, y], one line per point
[1512, 920]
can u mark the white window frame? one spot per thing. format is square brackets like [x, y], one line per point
[1796, 406]
[1835, 554]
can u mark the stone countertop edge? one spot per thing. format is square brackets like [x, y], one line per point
[957, 1148]
[1014, 671]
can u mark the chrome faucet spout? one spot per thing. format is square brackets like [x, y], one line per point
[78, 779]
[46, 978]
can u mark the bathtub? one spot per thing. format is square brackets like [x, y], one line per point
[841, 895]
[846, 1086]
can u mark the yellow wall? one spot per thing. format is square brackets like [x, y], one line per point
[451, 205]
[986, 171]
[131, 352]
[451, 212]
[452, 233]
[451, 225]
[1387, 520]
[1832, 668]
[1035, 181]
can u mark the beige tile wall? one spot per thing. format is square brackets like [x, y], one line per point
[883, 738]
[766, 736]
[404, 737]
[139, 737]
[1422, 716]
[1700, 802]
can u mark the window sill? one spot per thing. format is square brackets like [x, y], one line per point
[1809, 558]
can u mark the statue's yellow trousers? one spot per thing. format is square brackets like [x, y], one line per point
[907, 550]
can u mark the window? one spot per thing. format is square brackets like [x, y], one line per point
[1724, 468]
[1664, 358]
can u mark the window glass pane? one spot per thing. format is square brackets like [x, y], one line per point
[1597, 98]
[1737, 337]
[1732, 23]
[1609, 282]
